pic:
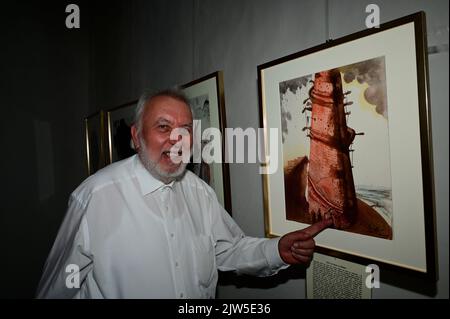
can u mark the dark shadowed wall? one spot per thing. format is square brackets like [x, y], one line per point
[44, 97]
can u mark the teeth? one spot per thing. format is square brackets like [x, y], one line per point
[176, 154]
[173, 154]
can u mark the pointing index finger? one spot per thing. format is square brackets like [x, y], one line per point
[316, 228]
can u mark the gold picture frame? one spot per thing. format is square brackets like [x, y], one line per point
[118, 135]
[94, 138]
[382, 202]
[207, 99]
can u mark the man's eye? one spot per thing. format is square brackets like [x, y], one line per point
[163, 127]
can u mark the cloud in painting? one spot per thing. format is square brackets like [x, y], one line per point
[290, 85]
[372, 72]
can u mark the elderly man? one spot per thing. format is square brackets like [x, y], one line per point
[145, 227]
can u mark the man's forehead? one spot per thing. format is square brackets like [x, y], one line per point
[167, 108]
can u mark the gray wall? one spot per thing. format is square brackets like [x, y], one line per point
[157, 44]
[126, 47]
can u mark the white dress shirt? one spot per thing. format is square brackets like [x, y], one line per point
[132, 236]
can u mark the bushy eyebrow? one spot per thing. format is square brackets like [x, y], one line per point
[164, 121]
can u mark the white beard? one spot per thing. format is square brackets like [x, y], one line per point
[153, 168]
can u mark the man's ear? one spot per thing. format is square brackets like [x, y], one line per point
[135, 137]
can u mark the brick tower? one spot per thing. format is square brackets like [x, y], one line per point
[331, 189]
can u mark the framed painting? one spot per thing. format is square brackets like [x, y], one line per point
[95, 155]
[355, 145]
[119, 141]
[207, 101]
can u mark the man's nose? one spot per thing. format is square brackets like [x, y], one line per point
[174, 139]
[178, 135]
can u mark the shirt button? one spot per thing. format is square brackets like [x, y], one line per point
[181, 295]
[176, 264]
[172, 235]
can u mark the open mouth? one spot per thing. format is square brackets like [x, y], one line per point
[169, 154]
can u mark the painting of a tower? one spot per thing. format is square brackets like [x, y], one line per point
[327, 164]
[330, 180]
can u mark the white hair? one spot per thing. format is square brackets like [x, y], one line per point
[146, 97]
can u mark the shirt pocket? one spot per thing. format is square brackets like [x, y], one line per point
[204, 260]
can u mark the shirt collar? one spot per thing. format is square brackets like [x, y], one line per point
[147, 181]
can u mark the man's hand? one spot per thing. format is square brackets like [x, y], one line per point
[297, 247]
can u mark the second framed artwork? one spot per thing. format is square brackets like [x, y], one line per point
[119, 141]
[354, 145]
[94, 127]
[207, 101]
